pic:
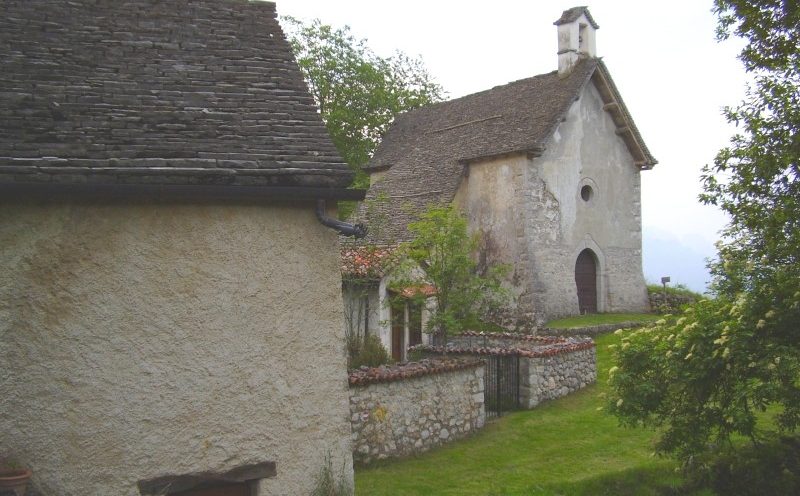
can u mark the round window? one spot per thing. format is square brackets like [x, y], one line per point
[586, 193]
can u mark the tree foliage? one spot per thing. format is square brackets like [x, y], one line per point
[705, 376]
[444, 250]
[359, 93]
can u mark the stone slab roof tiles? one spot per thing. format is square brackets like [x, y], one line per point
[425, 152]
[179, 92]
[571, 15]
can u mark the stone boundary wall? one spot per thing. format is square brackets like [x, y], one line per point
[673, 302]
[410, 408]
[550, 367]
[550, 377]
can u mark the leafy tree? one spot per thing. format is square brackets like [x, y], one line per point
[444, 250]
[358, 92]
[706, 376]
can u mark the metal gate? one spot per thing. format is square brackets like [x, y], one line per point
[500, 384]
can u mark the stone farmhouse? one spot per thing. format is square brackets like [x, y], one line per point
[170, 293]
[547, 169]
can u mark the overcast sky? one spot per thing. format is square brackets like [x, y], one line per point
[672, 73]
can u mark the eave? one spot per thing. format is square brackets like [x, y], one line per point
[625, 127]
[15, 192]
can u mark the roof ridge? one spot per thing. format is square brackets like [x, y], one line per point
[571, 15]
[475, 94]
[425, 153]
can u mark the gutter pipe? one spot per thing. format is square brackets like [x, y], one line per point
[343, 228]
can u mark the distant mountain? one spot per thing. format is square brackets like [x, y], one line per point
[666, 255]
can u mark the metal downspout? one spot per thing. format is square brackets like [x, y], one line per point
[343, 228]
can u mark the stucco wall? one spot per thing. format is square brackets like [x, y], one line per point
[150, 340]
[585, 150]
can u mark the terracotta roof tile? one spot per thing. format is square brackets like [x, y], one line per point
[426, 290]
[367, 261]
[403, 371]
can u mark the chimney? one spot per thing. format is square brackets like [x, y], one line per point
[576, 40]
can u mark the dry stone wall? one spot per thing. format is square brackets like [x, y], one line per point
[673, 302]
[406, 409]
[550, 366]
[550, 377]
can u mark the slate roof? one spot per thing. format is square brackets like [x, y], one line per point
[178, 92]
[571, 15]
[425, 150]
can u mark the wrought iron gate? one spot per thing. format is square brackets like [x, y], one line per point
[501, 384]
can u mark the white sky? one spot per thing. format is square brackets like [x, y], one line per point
[672, 73]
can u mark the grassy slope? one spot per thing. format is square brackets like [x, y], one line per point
[564, 447]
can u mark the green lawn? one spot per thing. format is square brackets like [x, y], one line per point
[594, 319]
[564, 447]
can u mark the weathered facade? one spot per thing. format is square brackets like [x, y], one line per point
[170, 304]
[541, 212]
[547, 169]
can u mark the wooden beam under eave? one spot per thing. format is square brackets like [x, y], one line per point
[622, 130]
[611, 106]
[602, 86]
[639, 157]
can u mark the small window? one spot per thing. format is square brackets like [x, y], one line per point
[583, 45]
[587, 193]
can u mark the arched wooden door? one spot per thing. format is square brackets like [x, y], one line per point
[586, 281]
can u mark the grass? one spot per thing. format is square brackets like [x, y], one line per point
[564, 447]
[594, 319]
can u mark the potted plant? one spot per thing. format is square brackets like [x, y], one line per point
[13, 477]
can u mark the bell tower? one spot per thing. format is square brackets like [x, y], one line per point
[576, 38]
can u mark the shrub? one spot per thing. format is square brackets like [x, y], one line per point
[704, 378]
[371, 353]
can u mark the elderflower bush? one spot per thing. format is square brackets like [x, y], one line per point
[705, 376]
